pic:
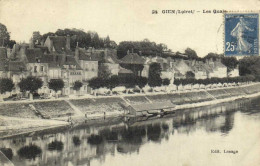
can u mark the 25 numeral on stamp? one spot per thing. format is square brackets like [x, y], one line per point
[230, 46]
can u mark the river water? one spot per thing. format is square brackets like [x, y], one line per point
[194, 137]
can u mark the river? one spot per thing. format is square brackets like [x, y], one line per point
[218, 135]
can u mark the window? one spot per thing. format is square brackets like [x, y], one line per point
[35, 69]
[42, 68]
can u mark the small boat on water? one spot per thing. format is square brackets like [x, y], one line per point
[150, 109]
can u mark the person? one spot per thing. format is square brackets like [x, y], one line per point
[238, 33]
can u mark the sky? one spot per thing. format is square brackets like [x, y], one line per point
[125, 20]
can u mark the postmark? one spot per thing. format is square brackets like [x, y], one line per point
[241, 34]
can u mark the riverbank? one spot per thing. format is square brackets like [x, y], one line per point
[39, 115]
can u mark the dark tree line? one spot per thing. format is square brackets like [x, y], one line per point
[143, 48]
[250, 66]
[114, 81]
[83, 39]
[214, 80]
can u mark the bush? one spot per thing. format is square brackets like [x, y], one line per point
[114, 81]
[6, 85]
[56, 84]
[166, 81]
[31, 84]
[77, 85]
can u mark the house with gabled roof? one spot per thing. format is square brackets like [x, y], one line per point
[58, 44]
[134, 62]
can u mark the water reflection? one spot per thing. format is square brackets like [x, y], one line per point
[29, 152]
[86, 144]
[55, 145]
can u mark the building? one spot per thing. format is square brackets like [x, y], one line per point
[134, 62]
[217, 68]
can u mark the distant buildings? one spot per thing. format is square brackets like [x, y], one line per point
[54, 59]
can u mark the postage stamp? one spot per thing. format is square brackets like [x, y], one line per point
[241, 34]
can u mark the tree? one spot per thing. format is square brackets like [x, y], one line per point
[6, 85]
[30, 83]
[4, 35]
[103, 71]
[230, 62]
[77, 85]
[11, 43]
[107, 42]
[56, 84]
[37, 38]
[191, 53]
[250, 66]
[213, 56]
[154, 77]
[113, 82]
[166, 81]
[96, 82]
[144, 48]
[190, 74]
[141, 81]
[95, 42]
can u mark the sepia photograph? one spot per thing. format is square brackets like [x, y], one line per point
[128, 82]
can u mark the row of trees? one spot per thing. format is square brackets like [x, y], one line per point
[32, 84]
[214, 80]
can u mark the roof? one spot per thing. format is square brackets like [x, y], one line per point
[33, 54]
[124, 71]
[16, 66]
[111, 59]
[86, 55]
[61, 60]
[153, 106]
[219, 64]
[36, 55]
[132, 58]
[59, 43]
[43, 48]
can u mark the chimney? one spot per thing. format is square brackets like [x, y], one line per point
[128, 52]
[67, 42]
